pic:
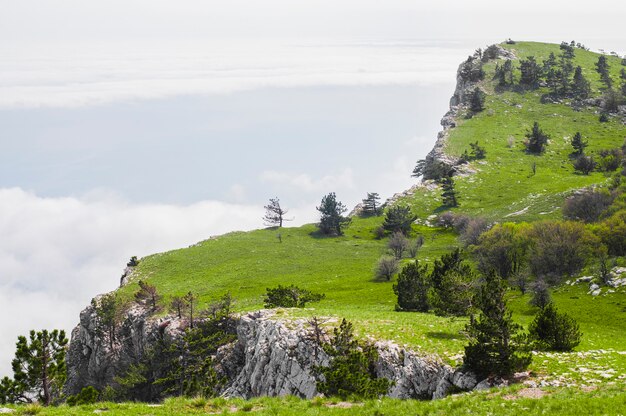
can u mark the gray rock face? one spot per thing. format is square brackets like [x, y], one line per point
[271, 357]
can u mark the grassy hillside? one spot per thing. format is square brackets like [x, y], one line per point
[502, 189]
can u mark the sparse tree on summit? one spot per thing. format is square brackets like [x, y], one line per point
[274, 213]
[371, 207]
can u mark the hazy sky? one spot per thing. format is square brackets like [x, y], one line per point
[132, 127]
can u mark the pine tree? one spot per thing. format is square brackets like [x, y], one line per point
[554, 331]
[536, 140]
[399, 218]
[412, 288]
[107, 313]
[530, 72]
[274, 213]
[39, 370]
[578, 144]
[332, 221]
[581, 87]
[496, 346]
[477, 100]
[147, 294]
[370, 205]
[602, 67]
[566, 68]
[448, 194]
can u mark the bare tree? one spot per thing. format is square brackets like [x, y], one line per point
[178, 306]
[190, 299]
[274, 213]
[398, 244]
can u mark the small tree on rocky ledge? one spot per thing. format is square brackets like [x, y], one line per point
[147, 294]
[496, 346]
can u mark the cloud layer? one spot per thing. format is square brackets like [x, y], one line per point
[57, 253]
[86, 74]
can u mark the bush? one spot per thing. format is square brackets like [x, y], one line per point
[540, 293]
[609, 160]
[415, 246]
[554, 331]
[612, 233]
[473, 230]
[290, 297]
[352, 369]
[412, 288]
[398, 244]
[604, 118]
[559, 247]
[88, 395]
[587, 206]
[584, 164]
[386, 267]
[503, 248]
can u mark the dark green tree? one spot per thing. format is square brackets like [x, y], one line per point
[566, 68]
[332, 221]
[552, 80]
[602, 67]
[496, 346]
[370, 205]
[274, 213]
[477, 152]
[584, 164]
[352, 369]
[504, 73]
[107, 316]
[452, 280]
[290, 297]
[530, 72]
[399, 218]
[554, 331]
[549, 64]
[39, 370]
[536, 140]
[580, 87]
[448, 193]
[477, 100]
[412, 288]
[578, 144]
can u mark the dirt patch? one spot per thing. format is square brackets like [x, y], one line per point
[527, 393]
[342, 405]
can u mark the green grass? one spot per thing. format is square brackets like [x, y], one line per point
[507, 401]
[502, 189]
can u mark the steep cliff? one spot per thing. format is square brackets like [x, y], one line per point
[271, 357]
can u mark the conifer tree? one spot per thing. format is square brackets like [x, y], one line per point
[147, 294]
[332, 221]
[399, 218]
[578, 144]
[554, 331]
[448, 194]
[496, 346]
[412, 288]
[530, 72]
[536, 140]
[477, 100]
[581, 87]
[274, 213]
[370, 205]
[602, 67]
[39, 370]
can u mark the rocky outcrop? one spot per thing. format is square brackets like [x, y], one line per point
[465, 84]
[271, 357]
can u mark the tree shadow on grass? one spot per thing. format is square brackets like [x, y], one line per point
[443, 335]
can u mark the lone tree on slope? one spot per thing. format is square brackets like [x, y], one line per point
[536, 140]
[448, 194]
[371, 207]
[331, 219]
[274, 213]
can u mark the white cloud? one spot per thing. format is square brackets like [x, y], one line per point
[57, 253]
[52, 75]
[304, 182]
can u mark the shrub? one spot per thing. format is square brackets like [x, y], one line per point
[503, 248]
[415, 246]
[587, 206]
[386, 267]
[540, 293]
[88, 395]
[352, 369]
[398, 244]
[554, 331]
[609, 160]
[472, 231]
[612, 233]
[584, 164]
[290, 297]
[412, 288]
[559, 247]
[379, 232]
[399, 218]
[604, 118]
